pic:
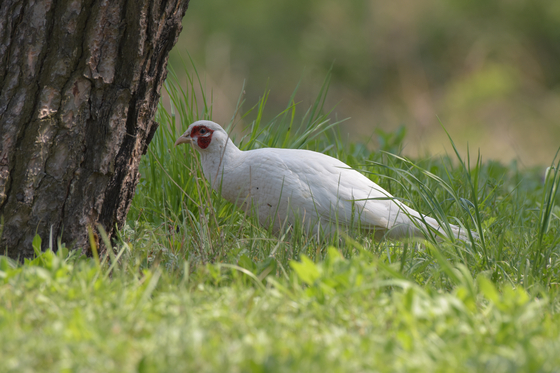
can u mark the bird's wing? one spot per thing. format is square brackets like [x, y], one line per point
[344, 194]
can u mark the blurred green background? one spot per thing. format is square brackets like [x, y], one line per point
[488, 69]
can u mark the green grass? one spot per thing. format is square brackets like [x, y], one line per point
[194, 285]
[341, 315]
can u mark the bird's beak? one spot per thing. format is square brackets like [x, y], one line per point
[184, 138]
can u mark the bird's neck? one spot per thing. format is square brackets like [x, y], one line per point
[220, 161]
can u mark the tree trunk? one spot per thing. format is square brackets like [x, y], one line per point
[79, 85]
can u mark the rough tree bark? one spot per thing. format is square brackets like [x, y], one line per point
[79, 85]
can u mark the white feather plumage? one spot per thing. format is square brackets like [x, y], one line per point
[282, 186]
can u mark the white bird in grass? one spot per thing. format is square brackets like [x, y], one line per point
[285, 186]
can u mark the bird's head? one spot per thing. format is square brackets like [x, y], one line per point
[204, 135]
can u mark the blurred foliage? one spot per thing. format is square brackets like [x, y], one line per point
[488, 68]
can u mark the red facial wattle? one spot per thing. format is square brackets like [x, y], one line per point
[202, 135]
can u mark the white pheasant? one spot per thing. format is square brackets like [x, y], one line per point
[283, 186]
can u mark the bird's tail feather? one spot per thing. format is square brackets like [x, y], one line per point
[460, 233]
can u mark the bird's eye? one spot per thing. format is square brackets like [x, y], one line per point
[202, 131]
